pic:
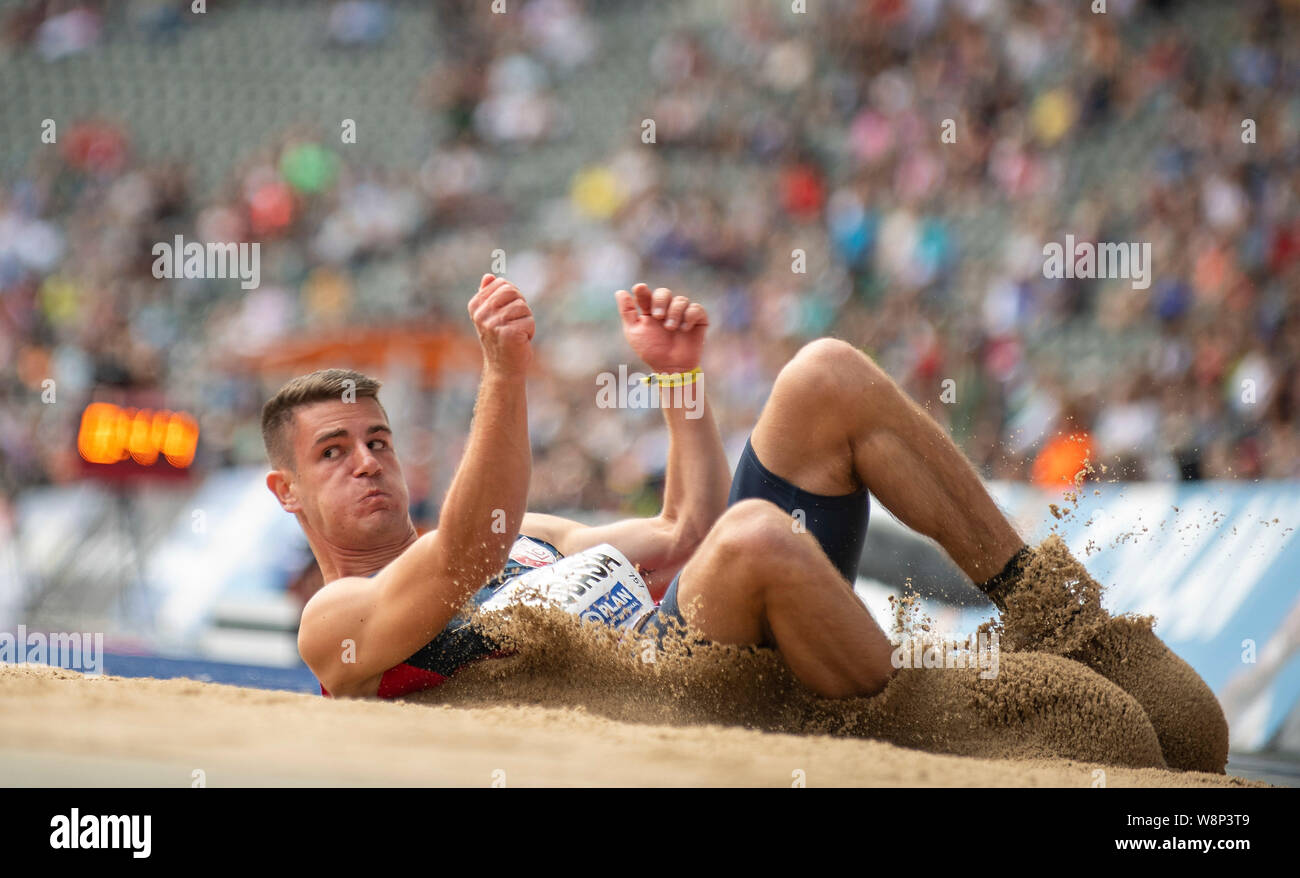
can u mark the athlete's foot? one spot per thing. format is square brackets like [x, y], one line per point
[1054, 606]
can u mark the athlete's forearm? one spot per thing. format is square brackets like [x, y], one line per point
[486, 501]
[479, 517]
[697, 478]
[420, 590]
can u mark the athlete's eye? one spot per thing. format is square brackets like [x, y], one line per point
[328, 453]
[382, 443]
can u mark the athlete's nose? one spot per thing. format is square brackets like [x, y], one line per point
[367, 462]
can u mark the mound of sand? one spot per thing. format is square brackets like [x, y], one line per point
[576, 704]
[1072, 682]
[58, 727]
[1038, 705]
[1058, 610]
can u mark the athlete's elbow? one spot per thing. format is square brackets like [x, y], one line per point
[684, 538]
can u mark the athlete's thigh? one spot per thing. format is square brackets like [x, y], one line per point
[803, 433]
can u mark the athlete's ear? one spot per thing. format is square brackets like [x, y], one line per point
[282, 488]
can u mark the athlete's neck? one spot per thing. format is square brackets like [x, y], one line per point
[337, 562]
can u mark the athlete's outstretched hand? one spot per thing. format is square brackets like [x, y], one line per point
[504, 323]
[665, 330]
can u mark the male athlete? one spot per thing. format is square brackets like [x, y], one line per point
[770, 563]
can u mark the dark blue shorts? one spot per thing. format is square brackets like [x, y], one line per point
[839, 523]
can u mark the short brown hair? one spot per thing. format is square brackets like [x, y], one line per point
[319, 386]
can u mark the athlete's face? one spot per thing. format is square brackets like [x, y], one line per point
[348, 486]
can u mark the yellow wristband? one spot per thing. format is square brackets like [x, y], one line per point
[674, 379]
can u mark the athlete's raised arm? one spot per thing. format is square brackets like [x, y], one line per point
[667, 332]
[390, 616]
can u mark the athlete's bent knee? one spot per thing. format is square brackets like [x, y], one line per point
[828, 369]
[829, 354]
[749, 529]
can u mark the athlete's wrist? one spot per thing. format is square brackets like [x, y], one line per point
[673, 368]
[496, 371]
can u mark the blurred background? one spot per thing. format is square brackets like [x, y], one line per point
[385, 154]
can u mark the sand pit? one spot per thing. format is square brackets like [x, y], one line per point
[61, 728]
[576, 704]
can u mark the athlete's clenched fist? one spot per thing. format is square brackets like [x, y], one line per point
[666, 330]
[504, 323]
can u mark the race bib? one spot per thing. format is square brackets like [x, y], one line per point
[598, 584]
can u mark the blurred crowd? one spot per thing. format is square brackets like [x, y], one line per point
[799, 182]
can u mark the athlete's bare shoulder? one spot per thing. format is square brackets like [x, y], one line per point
[338, 608]
[351, 609]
